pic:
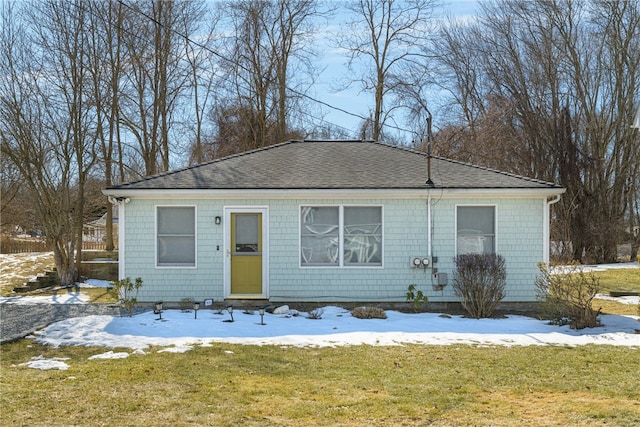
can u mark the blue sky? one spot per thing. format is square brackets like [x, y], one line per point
[351, 100]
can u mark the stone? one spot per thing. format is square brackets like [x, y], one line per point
[283, 309]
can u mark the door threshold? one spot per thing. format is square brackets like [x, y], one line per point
[249, 297]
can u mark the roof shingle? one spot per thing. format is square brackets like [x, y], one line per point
[332, 165]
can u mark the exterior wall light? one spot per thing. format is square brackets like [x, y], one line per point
[218, 220]
[158, 310]
[196, 307]
[230, 310]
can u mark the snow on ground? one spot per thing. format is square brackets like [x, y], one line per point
[11, 264]
[179, 332]
[632, 300]
[336, 328]
[603, 267]
[39, 362]
[62, 297]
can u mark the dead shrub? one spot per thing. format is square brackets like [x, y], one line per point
[316, 314]
[480, 280]
[368, 313]
[566, 296]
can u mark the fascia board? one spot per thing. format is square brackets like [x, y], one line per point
[338, 193]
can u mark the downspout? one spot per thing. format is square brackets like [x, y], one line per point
[120, 202]
[429, 243]
[546, 229]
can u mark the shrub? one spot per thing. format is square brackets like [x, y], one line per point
[127, 293]
[368, 313]
[416, 296]
[566, 297]
[479, 280]
[186, 304]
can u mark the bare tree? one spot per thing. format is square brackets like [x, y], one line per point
[553, 88]
[155, 38]
[46, 123]
[202, 70]
[269, 38]
[104, 56]
[385, 37]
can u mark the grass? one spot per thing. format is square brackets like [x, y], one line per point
[350, 386]
[360, 385]
[620, 280]
[19, 268]
[612, 307]
[623, 279]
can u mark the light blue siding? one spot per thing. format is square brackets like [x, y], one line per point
[405, 234]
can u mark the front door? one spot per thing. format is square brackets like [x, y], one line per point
[246, 254]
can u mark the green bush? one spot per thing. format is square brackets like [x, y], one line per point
[127, 293]
[480, 280]
[566, 296]
[416, 296]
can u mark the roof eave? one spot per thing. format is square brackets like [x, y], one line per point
[289, 193]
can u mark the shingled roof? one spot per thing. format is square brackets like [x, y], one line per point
[350, 165]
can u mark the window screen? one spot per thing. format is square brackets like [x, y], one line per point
[176, 236]
[475, 229]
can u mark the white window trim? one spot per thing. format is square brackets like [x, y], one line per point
[340, 236]
[195, 239]
[476, 205]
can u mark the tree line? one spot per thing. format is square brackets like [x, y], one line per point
[93, 93]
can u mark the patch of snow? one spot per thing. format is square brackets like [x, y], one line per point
[95, 283]
[177, 349]
[110, 355]
[603, 267]
[622, 300]
[39, 362]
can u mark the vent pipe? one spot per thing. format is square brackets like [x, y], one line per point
[429, 138]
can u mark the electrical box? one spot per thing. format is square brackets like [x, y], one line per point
[442, 279]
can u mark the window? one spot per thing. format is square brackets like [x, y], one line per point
[176, 236]
[341, 236]
[475, 230]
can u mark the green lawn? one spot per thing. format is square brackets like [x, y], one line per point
[619, 280]
[226, 385]
[361, 385]
[622, 279]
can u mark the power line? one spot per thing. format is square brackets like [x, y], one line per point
[291, 90]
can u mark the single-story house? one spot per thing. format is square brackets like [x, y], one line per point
[96, 230]
[327, 221]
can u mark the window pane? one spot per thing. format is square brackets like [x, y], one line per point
[178, 220]
[176, 251]
[319, 235]
[363, 235]
[246, 238]
[176, 238]
[319, 250]
[476, 229]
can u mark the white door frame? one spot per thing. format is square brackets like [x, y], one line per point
[228, 210]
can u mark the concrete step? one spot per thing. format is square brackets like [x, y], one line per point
[46, 280]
